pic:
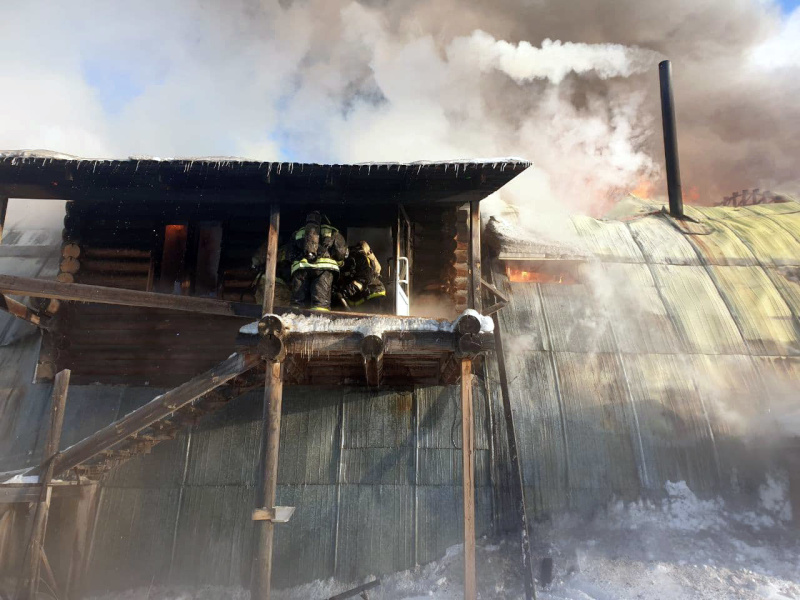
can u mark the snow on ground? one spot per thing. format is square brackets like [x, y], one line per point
[678, 548]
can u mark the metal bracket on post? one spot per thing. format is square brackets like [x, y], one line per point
[278, 514]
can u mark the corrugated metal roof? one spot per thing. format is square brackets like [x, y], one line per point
[609, 240]
[764, 319]
[700, 315]
[661, 242]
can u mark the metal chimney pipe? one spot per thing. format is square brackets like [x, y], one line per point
[670, 140]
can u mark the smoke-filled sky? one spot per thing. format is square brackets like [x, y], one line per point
[570, 84]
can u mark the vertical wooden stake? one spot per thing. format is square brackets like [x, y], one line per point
[30, 573]
[468, 465]
[272, 258]
[260, 585]
[3, 209]
[475, 256]
[268, 481]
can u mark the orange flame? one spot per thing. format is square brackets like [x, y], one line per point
[643, 189]
[524, 276]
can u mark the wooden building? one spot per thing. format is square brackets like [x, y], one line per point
[615, 365]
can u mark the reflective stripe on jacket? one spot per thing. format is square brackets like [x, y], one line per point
[322, 264]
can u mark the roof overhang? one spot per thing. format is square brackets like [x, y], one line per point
[47, 175]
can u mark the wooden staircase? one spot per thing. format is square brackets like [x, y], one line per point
[160, 419]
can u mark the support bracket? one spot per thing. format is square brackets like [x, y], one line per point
[278, 514]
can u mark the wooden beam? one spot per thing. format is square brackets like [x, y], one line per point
[420, 343]
[372, 350]
[475, 256]
[361, 590]
[272, 257]
[29, 580]
[19, 310]
[76, 292]
[153, 411]
[468, 469]
[494, 308]
[494, 290]
[517, 481]
[260, 585]
[3, 209]
[14, 493]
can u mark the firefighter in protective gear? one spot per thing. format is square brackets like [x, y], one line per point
[317, 250]
[360, 279]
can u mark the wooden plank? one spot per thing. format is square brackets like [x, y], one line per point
[468, 467]
[475, 256]
[19, 310]
[260, 586]
[272, 257]
[27, 251]
[3, 210]
[76, 292]
[517, 481]
[153, 411]
[494, 290]
[12, 493]
[29, 580]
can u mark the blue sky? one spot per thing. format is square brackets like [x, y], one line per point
[789, 5]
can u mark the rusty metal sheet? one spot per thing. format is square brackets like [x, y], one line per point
[638, 316]
[764, 319]
[661, 242]
[769, 242]
[700, 315]
[609, 240]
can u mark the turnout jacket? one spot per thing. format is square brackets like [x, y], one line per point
[332, 250]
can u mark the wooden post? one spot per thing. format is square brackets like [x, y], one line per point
[260, 585]
[475, 256]
[29, 581]
[517, 480]
[468, 466]
[268, 481]
[3, 209]
[272, 257]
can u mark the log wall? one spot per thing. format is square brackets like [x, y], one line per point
[132, 346]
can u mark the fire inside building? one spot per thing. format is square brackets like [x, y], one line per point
[160, 425]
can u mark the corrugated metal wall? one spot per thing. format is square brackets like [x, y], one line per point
[375, 477]
[652, 368]
[657, 364]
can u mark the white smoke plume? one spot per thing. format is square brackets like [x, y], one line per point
[342, 80]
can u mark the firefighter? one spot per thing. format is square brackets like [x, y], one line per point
[316, 251]
[360, 279]
[283, 275]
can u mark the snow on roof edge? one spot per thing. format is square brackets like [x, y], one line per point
[53, 156]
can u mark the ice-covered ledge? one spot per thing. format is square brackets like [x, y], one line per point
[374, 325]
